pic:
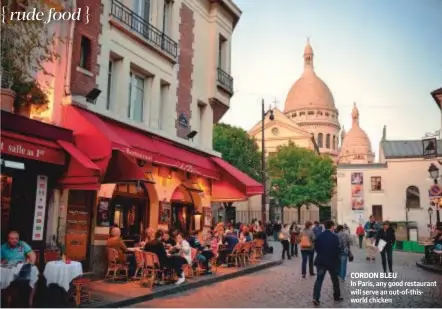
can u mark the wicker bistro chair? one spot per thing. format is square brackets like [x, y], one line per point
[235, 255]
[151, 270]
[139, 258]
[258, 250]
[80, 291]
[246, 252]
[116, 266]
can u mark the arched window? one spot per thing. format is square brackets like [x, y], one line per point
[334, 142]
[327, 141]
[320, 140]
[413, 197]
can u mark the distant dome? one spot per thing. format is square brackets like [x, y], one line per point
[356, 145]
[309, 90]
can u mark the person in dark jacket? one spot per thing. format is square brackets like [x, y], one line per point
[327, 259]
[387, 234]
[156, 246]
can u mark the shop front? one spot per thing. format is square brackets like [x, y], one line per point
[37, 159]
[147, 181]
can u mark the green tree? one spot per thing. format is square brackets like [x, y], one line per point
[239, 149]
[301, 177]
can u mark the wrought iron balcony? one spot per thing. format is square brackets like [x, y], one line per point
[225, 80]
[138, 24]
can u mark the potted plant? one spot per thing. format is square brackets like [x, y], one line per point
[26, 48]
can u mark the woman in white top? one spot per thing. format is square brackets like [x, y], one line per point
[184, 247]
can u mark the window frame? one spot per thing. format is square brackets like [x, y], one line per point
[110, 71]
[327, 141]
[320, 140]
[374, 181]
[407, 197]
[85, 53]
[132, 86]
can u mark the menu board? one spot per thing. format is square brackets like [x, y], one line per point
[40, 207]
[77, 227]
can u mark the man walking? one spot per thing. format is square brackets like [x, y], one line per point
[327, 259]
[360, 233]
[371, 229]
[387, 234]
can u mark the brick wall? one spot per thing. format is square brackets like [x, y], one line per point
[82, 83]
[185, 70]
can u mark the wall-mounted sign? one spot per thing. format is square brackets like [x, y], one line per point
[165, 213]
[40, 207]
[28, 150]
[429, 148]
[183, 121]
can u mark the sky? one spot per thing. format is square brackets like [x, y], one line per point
[384, 55]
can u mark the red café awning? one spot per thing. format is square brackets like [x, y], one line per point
[35, 140]
[97, 136]
[234, 185]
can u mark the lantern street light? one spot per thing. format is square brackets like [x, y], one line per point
[433, 170]
[430, 213]
[263, 162]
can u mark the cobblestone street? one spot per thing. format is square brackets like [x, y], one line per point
[283, 286]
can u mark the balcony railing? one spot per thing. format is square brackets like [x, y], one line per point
[138, 24]
[225, 80]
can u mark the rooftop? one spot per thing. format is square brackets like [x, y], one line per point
[406, 149]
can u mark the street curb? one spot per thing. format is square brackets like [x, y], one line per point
[429, 267]
[186, 287]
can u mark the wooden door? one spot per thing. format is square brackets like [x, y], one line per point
[377, 212]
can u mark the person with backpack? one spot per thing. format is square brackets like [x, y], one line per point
[284, 237]
[371, 229]
[317, 229]
[306, 244]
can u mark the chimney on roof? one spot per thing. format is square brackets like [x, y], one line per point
[384, 133]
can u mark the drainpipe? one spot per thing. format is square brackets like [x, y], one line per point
[67, 84]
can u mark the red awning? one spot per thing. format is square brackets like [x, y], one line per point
[29, 147]
[82, 173]
[234, 185]
[94, 132]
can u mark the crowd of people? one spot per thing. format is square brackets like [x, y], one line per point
[329, 247]
[174, 249]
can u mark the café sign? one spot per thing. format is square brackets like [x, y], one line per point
[29, 150]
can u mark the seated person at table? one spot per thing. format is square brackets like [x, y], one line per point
[168, 240]
[230, 239]
[156, 246]
[181, 254]
[194, 242]
[115, 242]
[16, 251]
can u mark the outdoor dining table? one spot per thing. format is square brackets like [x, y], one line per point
[10, 272]
[62, 273]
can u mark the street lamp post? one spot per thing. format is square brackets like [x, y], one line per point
[430, 213]
[263, 162]
[433, 170]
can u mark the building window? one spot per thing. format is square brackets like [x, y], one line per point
[136, 97]
[334, 142]
[376, 183]
[167, 8]
[327, 114]
[142, 8]
[222, 53]
[413, 197]
[85, 53]
[327, 141]
[293, 115]
[301, 113]
[109, 84]
[319, 113]
[320, 140]
[310, 113]
[164, 97]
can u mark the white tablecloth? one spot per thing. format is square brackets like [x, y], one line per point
[9, 274]
[62, 274]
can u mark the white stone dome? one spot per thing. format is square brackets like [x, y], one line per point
[356, 144]
[309, 91]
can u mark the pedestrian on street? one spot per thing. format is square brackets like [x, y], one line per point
[344, 247]
[327, 259]
[371, 228]
[306, 242]
[284, 237]
[387, 234]
[317, 229]
[360, 232]
[294, 238]
[276, 230]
